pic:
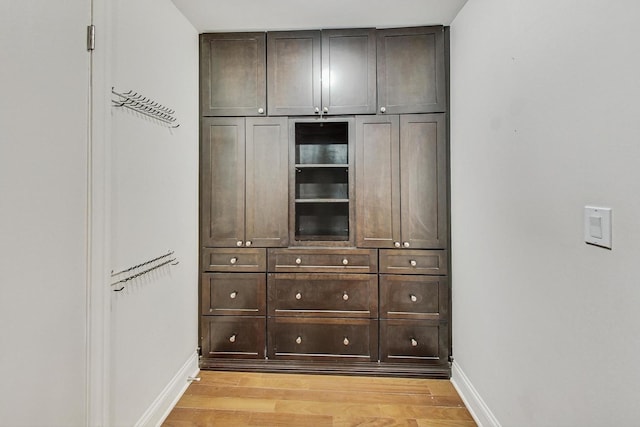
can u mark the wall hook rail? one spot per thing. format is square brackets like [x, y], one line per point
[170, 261]
[145, 106]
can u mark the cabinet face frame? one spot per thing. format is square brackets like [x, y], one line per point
[242, 60]
[350, 121]
[349, 71]
[293, 61]
[409, 71]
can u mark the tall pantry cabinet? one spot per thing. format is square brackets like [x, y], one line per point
[324, 238]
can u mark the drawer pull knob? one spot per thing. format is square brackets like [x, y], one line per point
[299, 340]
[233, 260]
[414, 343]
[413, 263]
[247, 243]
[406, 244]
[239, 243]
[396, 244]
[298, 296]
[233, 294]
[345, 261]
[345, 296]
[232, 338]
[345, 341]
[383, 110]
[298, 261]
[413, 298]
[260, 110]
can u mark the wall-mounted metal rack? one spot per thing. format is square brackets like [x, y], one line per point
[145, 106]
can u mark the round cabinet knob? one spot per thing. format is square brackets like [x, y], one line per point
[299, 340]
[413, 263]
[233, 260]
[239, 243]
[414, 343]
[406, 244]
[345, 296]
[413, 298]
[383, 110]
[345, 341]
[233, 294]
[232, 338]
[316, 110]
[396, 244]
[248, 243]
[345, 262]
[260, 110]
[325, 109]
[298, 261]
[298, 296]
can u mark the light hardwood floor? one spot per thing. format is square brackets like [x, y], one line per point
[258, 399]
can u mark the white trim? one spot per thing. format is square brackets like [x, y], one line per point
[98, 345]
[167, 399]
[472, 399]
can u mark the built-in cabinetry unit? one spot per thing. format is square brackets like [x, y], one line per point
[324, 224]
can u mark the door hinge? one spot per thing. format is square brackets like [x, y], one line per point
[91, 37]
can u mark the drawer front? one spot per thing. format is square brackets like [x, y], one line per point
[233, 294]
[323, 260]
[414, 297]
[229, 259]
[414, 341]
[413, 262]
[323, 295]
[323, 339]
[233, 336]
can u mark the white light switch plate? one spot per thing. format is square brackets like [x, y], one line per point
[597, 226]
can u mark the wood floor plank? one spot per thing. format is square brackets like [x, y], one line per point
[263, 400]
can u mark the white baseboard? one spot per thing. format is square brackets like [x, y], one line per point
[472, 399]
[167, 399]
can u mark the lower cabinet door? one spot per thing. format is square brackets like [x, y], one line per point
[414, 341]
[323, 339]
[233, 336]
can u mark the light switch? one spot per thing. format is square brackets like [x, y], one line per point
[597, 226]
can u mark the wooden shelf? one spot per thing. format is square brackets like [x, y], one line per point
[322, 200]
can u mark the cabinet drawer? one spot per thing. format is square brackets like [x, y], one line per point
[414, 297]
[323, 260]
[233, 336]
[323, 339]
[413, 262]
[413, 341]
[323, 295]
[230, 259]
[233, 293]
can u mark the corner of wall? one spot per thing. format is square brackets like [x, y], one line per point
[479, 410]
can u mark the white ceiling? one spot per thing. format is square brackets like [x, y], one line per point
[264, 15]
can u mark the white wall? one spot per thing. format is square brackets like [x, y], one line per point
[154, 205]
[44, 82]
[545, 120]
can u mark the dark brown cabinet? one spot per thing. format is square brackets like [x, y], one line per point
[401, 181]
[317, 73]
[233, 74]
[411, 70]
[321, 181]
[324, 225]
[244, 173]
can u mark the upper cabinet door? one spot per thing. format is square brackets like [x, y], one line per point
[233, 74]
[423, 177]
[293, 73]
[411, 70]
[349, 71]
[222, 166]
